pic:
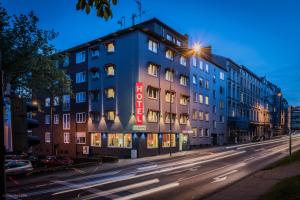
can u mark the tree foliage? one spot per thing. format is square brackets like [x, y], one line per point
[103, 7]
[28, 58]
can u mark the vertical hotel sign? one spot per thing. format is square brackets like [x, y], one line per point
[139, 105]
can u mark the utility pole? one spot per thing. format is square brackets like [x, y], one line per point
[2, 142]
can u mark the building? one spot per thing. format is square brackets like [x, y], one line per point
[294, 118]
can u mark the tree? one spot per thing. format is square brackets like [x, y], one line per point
[29, 60]
[103, 7]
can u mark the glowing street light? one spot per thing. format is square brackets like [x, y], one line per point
[196, 48]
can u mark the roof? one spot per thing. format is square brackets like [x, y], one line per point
[140, 26]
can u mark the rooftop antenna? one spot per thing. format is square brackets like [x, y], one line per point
[121, 22]
[133, 16]
[140, 11]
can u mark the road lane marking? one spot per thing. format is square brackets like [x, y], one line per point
[120, 189]
[147, 167]
[151, 191]
[251, 158]
[223, 177]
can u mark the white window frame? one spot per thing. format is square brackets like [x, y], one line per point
[56, 101]
[80, 117]
[66, 137]
[222, 76]
[80, 97]
[152, 70]
[183, 80]
[66, 121]
[152, 116]
[183, 60]
[80, 57]
[80, 77]
[93, 140]
[47, 102]
[79, 137]
[56, 119]
[152, 46]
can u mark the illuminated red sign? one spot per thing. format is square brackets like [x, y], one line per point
[139, 106]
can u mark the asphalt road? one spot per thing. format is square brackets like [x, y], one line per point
[185, 177]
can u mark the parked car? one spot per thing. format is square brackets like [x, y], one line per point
[17, 167]
[55, 161]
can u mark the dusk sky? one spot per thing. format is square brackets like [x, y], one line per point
[263, 35]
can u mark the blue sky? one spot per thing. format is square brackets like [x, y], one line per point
[263, 35]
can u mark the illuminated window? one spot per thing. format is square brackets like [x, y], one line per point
[110, 93]
[201, 64]
[194, 114]
[201, 115]
[152, 116]
[47, 137]
[110, 47]
[56, 101]
[183, 60]
[184, 100]
[183, 80]
[194, 79]
[206, 100]
[110, 70]
[206, 68]
[170, 96]
[166, 140]
[183, 119]
[169, 75]
[80, 137]
[222, 76]
[178, 42]
[119, 140]
[169, 37]
[47, 102]
[152, 46]
[152, 92]
[194, 61]
[170, 54]
[200, 98]
[96, 139]
[110, 115]
[152, 70]
[194, 132]
[152, 140]
[169, 116]
[206, 117]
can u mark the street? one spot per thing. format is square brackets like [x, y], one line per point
[189, 177]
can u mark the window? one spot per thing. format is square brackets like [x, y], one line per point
[66, 121]
[66, 137]
[66, 61]
[96, 139]
[214, 94]
[194, 114]
[66, 102]
[221, 90]
[184, 100]
[201, 132]
[201, 115]
[183, 119]
[110, 70]
[169, 37]
[80, 97]
[152, 46]
[222, 118]
[170, 54]
[152, 116]
[47, 137]
[169, 75]
[170, 96]
[200, 98]
[152, 140]
[95, 52]
[206, 100]
[214, 109]
[194, 79]
[56, 101]
[206, 134]
[80, 117]
[206, 68]
[183, 60]
[153, 70]
[178, 42]
[47, 102]
[221, 104]
[206, 84]
[119, 140]
[94, 94]
[80, 137]
[194, 61]
[80, 77]
[110, 115]
[95, 116]
[183, 80]
[152, 92]
[168, 118]
[206, 117]
[214, 124]
[222, 76]
[110, 47]
[201, 82]
[195, 97]
[56, 119]
[166, 140]
[80, 57]
[201, 64]
[194, 132]
[95, 75]
[47, 119]
[214, 78]
[110, 93]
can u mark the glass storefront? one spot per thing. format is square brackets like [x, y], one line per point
[152, 140]
[166, 140]
[119, 140]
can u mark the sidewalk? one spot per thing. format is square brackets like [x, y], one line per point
[252, 187]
